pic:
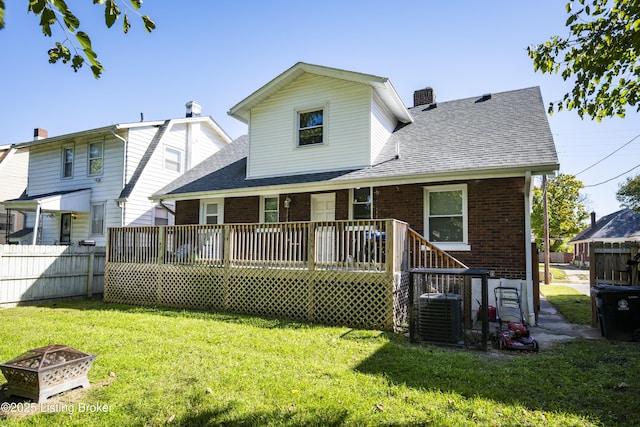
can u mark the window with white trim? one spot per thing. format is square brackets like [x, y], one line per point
[67, 162]
[172, 159]
[211, 212]
[361, 203]
[269, 209]
[97, 219]
[446, 216]
[95, 158]
[310, 127]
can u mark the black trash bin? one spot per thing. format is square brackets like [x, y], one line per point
[618, 311]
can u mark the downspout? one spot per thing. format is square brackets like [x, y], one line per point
[528, 193]
[122, 205]
[36, 225]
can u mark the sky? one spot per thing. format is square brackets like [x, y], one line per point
[219, 52]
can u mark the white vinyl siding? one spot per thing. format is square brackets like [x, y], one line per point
[347, 117]
[382, 126]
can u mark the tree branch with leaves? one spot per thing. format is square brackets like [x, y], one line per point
[56, 12]
[600, 54]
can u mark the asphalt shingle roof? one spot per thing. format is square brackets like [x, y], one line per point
[623, 224]
[508, 130]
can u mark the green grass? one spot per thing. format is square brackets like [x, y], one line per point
[169, 367]
[574, 305]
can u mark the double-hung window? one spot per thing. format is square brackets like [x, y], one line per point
[95, 158]
[97, 219]
[446, 216]
[310, 127]
[67, 162]
[362, 203]
[269, 209]
[172, 159]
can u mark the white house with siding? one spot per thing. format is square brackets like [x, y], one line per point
[82, 183]
[13, 176]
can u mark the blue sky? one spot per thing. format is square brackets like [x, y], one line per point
[218, 53]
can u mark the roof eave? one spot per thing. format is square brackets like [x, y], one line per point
[336, 184]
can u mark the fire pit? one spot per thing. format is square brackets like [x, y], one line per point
[42, 372]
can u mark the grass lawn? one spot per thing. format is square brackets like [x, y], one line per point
[170, 367]
[574, 305]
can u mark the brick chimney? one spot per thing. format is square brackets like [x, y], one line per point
[39, 133]
[424, 97]
[193, 109]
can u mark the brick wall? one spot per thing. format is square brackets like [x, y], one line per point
[242, 209]
[496, 217]
[496, 227]
[187, 212]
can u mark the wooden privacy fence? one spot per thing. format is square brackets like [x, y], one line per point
[34, 273]
[351, 273]
[608, 263]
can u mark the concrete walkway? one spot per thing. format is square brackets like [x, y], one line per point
[552, 327]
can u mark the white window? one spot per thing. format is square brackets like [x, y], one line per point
[95, 158]
[160, 216]
[211, 211]
[67, 162]
[97, 219]
[269, 209]
[446, 216]
[361, 203]
[172, 159]
[310, 127]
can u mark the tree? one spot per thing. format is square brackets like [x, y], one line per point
[628, 193]
[567, 212]
[601, 54]
[52, 12]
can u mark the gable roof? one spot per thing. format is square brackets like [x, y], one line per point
[123, 126]
[623, 225]
[506, 135]
[381, 85]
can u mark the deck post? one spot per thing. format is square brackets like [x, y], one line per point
[312, 246]
[161, 237]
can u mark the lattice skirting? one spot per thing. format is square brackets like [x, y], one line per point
[371, 300]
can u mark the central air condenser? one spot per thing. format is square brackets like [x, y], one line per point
[440, 318]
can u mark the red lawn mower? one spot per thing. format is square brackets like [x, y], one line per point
[512, 332]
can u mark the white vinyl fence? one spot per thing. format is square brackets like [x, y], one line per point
[36, 273]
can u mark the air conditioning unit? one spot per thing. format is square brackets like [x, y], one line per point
[440, 318]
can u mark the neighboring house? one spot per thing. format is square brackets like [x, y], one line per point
[328, 144]
[82, 183]
[618, 227]
[14, 163]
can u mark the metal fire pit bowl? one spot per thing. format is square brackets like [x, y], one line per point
[42, 372]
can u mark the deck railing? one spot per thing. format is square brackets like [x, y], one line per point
[363, 245]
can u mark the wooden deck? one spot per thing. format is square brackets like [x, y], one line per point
[353, 273]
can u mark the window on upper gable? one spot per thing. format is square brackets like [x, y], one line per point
[95, 158]
[310, 127]
[446, 216]
[270, 209]
[362, 203]
[67, 162]
[172, 159]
